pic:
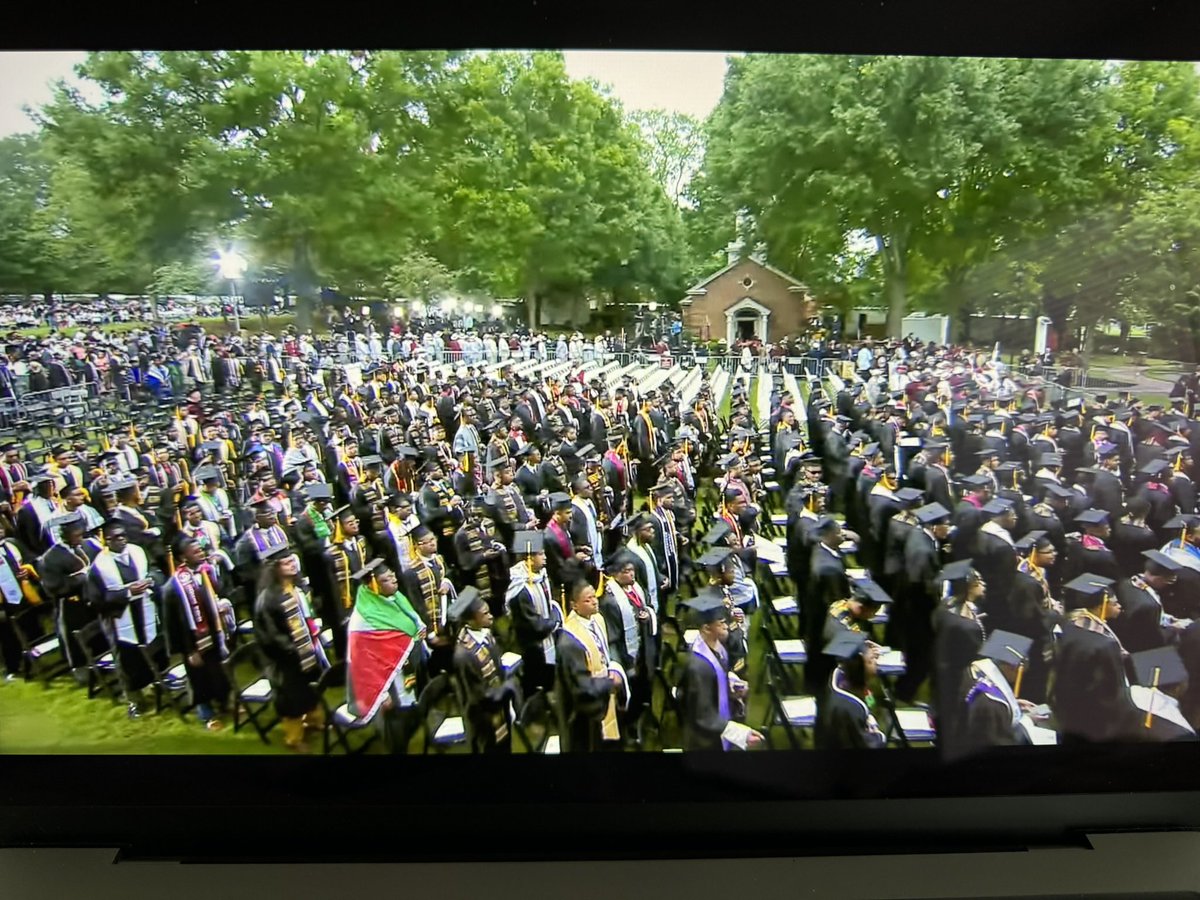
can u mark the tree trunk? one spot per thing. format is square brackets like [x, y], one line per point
[532, 309]
[895, 276]
[1089, 345]
[304, 282]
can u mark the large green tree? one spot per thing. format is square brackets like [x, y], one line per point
[908, 151]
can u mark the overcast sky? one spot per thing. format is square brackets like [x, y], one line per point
[683, 82]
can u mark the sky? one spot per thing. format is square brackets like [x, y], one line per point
[675, 81]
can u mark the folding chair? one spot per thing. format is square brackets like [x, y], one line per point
[795, 713]
[170, 682]
[102, 667]
[785, 652]
[441, 728]
[535, 724]
[42, 650]
[339, 720]
[252, 697]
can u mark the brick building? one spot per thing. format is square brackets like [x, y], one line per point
[747, 299]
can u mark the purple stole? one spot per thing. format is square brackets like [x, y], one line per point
[703, 651]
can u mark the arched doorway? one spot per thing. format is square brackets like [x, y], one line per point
[746, 320]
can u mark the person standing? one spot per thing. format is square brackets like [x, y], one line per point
[198, 622]
[588, 680]
[490, 695]
[712, 697]
[285, 629]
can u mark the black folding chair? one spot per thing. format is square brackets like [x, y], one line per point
[339, 721]
[252, 698]
[101, 665]
[535, 724]
[441, 720]
[170, 682]
[42, 650]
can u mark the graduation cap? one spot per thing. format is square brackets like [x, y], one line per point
[275, 552]
[870, 450]
[715, 558]
[997, 507]
[846, 645]
[987, 453]
[367, 571]
[1057, 490]
[824, 524]
[957, 571]
[559, 501]
[1184, 520]
[212, 446]
[524, 450]
[527, 543]
[66, 520]
[717, 533]
[909, 495]
[207, 473]
[1007, 647]
[420, 532]
[1160, 561]
[976, 481]
[372, 460]
[318, 491]
[619, 561]
[729, 461]
[870, 592]
[663, 487]
[1034, 540]
[640, 520]
[932, 513]
[1092, 517]
[935, 448]
[1087, 590]
[1161, 667]
[1154, 468]
[465, 605]
[708, 605]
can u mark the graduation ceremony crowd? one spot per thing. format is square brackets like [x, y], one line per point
[932, 550]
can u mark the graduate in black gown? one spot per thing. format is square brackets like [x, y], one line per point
[993, 704]
[712, 697]
[918, 596]
[958, 633]
[590, 683]
[536, 614]
[284, 630]
[828, 584]
[1143, 623]
[491, 696]
[845, 712]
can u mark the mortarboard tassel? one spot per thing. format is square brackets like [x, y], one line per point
[170, 562]
[1153, 691]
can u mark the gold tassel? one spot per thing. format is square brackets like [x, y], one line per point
[1153, 691]
[1178, 467]
[1017, 685]
[178, 520]
[170, 563]
[212, 592]
[105, 443]
[1104, 608]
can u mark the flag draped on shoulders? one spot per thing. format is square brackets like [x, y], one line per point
[382, 633]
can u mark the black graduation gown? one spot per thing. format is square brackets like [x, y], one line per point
[208, 681]
[914, 608]
[699, 689]
[843, 723]
[1183, 490]
[530, 628]
[956, 643]
[64, 580]
[582, 697]
[996, 561]
[989, 724]
[1128, 542]
[828, 584]
[413, 585]
[487, 692]
[1138, 626]
[880, 509]
[1107, 494]
[1091, 698]
[1100, 561]
[290, 675]
[967, 520]
[1162, 505]
[937, 487]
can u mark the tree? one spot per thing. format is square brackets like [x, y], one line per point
[419, 276]
[542, 180]
[24, 190]
[676, 142]
[820, 148]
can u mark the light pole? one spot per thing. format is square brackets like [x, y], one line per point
[232, 267]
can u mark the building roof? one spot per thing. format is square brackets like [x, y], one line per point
[700, 287]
